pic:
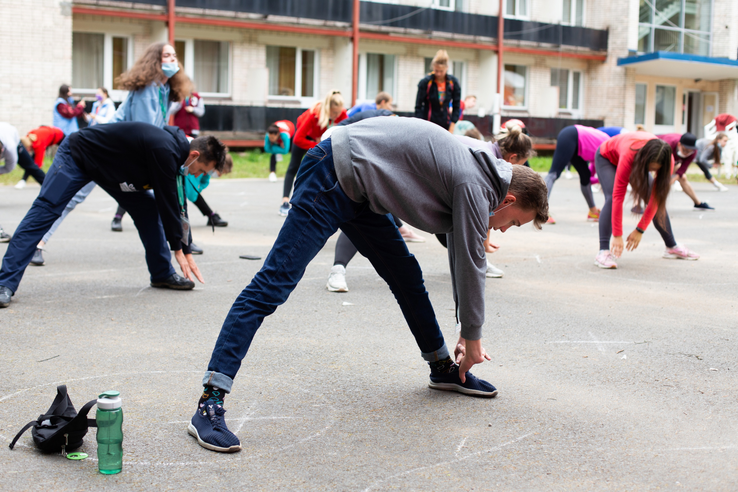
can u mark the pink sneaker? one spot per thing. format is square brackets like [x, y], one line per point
[680, 253]
[605, 259]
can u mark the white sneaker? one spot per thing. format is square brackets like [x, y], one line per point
[720, 186]
[596, 188]
[493, 271]
[273, 177]
[677, 186]
[21, 184]
[337, 279]
[568, 175]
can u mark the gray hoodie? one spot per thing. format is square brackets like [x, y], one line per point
[423, 174]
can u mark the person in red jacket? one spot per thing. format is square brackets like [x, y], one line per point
[630, 158]
[36, 142]
[187, 114]
[310, 126]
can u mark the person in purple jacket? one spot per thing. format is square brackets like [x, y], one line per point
[577, 144]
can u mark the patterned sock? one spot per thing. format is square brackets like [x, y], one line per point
[213, 394]
[444, 366]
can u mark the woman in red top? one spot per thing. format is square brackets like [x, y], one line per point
[631, 158]
[310, 126]
[36, 143]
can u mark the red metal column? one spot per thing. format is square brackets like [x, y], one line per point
[500, 42]
[355, 55]
[171, 22]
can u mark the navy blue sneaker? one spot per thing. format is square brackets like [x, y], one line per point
[451, 382]
[209, 428]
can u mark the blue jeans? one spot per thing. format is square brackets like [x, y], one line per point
[319, 208]
[62, 182]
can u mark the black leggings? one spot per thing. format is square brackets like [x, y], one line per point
[345, 249]
[30, 167]
[567, 147]
[289, 177]
[273, 163]
[705, 169]
[606, 172]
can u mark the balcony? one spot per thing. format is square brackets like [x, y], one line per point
[409, 18]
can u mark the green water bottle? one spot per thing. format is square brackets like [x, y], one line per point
[109, 433]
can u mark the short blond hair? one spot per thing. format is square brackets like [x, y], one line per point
[530, 192]
[441, 58]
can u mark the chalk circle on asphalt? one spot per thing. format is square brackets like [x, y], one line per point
[269, 415]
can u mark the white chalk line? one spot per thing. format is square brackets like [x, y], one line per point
[597, 342]
[588, 341]
[445, 463]
[461, 445]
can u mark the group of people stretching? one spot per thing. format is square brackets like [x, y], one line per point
[364, 176]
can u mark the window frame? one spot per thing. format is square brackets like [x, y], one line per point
[303, 100]
[572, 14]
[188, 58]
[526, 93]
[683, 31]
[569, 109]
[115, 95]
[363, 74]
[645, 104]
[517, 9]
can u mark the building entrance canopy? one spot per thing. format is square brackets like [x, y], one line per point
[680, 65]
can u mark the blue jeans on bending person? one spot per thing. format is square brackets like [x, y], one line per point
[78, 198]
[62, 182]
[319, 208]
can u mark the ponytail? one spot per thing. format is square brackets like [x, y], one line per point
[512, 140]
[323, 109]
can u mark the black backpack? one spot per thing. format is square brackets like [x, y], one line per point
[61, 428]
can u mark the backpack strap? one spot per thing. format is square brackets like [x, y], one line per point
[24, 429]
[85, 410]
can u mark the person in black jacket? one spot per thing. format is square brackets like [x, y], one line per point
[439, 95]
[126, 160]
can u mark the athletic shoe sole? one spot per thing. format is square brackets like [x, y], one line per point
[668, 256]
[605, 267]
[494, 275]
[164, 285]
[193, 432]
[334, 289]
[460, 389]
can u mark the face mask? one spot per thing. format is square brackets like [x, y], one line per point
[681, 154]
[184, 169]
[169, 69]
[500, 210]
[213, 174]
[98, 97]
[722, 145]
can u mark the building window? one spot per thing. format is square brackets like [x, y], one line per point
[681, 26]
[444, 4]
[516, 8]
[640, 109]
[292, 71]
[98, 59]
[665, 105]
[210, 74]
[515, 86]
[376, 74]
[573, 13]
[207, 63]
[569, 83]
[458, 70]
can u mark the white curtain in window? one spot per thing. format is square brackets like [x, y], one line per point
[380, 74]
[665, 102]
[211, 66]
[87, 60]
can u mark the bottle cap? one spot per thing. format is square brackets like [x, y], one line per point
[110, 400]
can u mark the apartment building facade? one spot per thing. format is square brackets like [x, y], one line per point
[667, 64]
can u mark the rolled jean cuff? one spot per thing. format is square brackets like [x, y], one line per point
[218, 380]
[440, 354]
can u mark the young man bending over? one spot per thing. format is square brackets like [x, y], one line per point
[414, 170]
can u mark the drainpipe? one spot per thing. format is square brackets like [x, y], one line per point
[170, 21]
[355, 55]
[497, 116]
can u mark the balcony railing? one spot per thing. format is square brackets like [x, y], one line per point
[407, 17]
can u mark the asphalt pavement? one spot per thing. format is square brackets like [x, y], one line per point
[608, 380]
